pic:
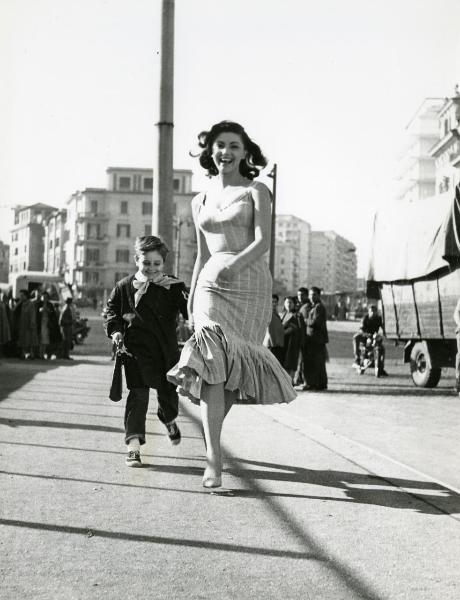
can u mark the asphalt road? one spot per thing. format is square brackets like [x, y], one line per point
[344, 494]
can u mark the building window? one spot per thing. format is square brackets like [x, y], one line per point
[123, 207]
[124, 183]
[123, 230]
[147, 208]
[95, 277]
[147, 230]
[66, 235]
[94, 206]
[92, 254]
[122, 256]
[51, 244]
[24, 266]
[16, 251]
[56, 243]
[148, 183]
[176, 184]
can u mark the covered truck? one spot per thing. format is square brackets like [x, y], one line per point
[415, 271]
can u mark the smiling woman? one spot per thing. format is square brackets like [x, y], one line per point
[230, 295]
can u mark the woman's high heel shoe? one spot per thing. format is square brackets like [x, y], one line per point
[211, 479]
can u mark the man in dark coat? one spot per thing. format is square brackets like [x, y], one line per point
[141, 313]
[304, 309]
[316, 340]
[66, 324]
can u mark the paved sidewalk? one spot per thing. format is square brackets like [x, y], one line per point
[304, 514]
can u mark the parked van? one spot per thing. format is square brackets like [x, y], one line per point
[415, 272]
[38, 280]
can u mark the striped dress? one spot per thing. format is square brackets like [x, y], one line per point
[231, 317]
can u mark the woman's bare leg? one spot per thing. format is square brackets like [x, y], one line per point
[212, 415]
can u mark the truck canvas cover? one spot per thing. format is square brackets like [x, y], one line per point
[417, 240]
[414, 267]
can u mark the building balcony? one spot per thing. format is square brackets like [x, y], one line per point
[84, 264]
[83, 239]
[91, 216]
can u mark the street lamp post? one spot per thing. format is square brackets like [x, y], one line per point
[273, 174]
[162, 210]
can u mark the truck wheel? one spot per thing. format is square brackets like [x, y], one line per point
[422, 374]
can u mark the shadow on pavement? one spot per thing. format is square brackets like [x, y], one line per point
[14, 374]
[166, 541]
[57, 425]
[396, 390]
[430, 498]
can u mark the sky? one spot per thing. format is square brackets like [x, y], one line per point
[325, 88]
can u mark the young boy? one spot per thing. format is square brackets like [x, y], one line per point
[141, 313]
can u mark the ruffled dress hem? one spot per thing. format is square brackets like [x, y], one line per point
[211, 356]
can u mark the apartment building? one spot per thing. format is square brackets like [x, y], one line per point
[333, 265]
[296, 233]
[416, 166]
[286, 260]
[56, 235]
[27, 237]
[102, 224]
[4, 262]
[446, 151]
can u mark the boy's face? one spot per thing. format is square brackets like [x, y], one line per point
[150, 263]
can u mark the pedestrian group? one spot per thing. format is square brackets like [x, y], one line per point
[32, 327]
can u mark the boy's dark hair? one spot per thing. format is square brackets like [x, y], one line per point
[150, 243]
[303, 290]
[25, 292]
[275, 297]
[315, 289]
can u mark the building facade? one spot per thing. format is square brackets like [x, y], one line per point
[296, 233]
[286, 257]
[416, 166]
[102, 224]
[56, 236]
[446, 151]
[4, 262]
[27, 237]
[333, 265]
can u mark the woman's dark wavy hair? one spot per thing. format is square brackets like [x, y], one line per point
[249, 168]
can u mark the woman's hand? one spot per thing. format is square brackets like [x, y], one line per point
[228, 271]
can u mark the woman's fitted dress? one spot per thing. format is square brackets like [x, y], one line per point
[231, 317]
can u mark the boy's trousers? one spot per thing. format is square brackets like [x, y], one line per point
[137, 404]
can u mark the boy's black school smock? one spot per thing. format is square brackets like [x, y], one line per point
[149, 329]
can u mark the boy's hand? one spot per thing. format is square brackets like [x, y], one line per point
[117, 337]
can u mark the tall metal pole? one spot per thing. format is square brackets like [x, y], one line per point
[273, 175]
[162, 213]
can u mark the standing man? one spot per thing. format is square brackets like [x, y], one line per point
[304, 309]
[66, 325]
[316, 340]
[274, 338]
[457, 358]
[25, 325]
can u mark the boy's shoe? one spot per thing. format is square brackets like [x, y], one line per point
[133, 459]
[173, 433]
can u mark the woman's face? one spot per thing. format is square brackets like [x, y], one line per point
[150, 263]
[228, 151]
[289, 305]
